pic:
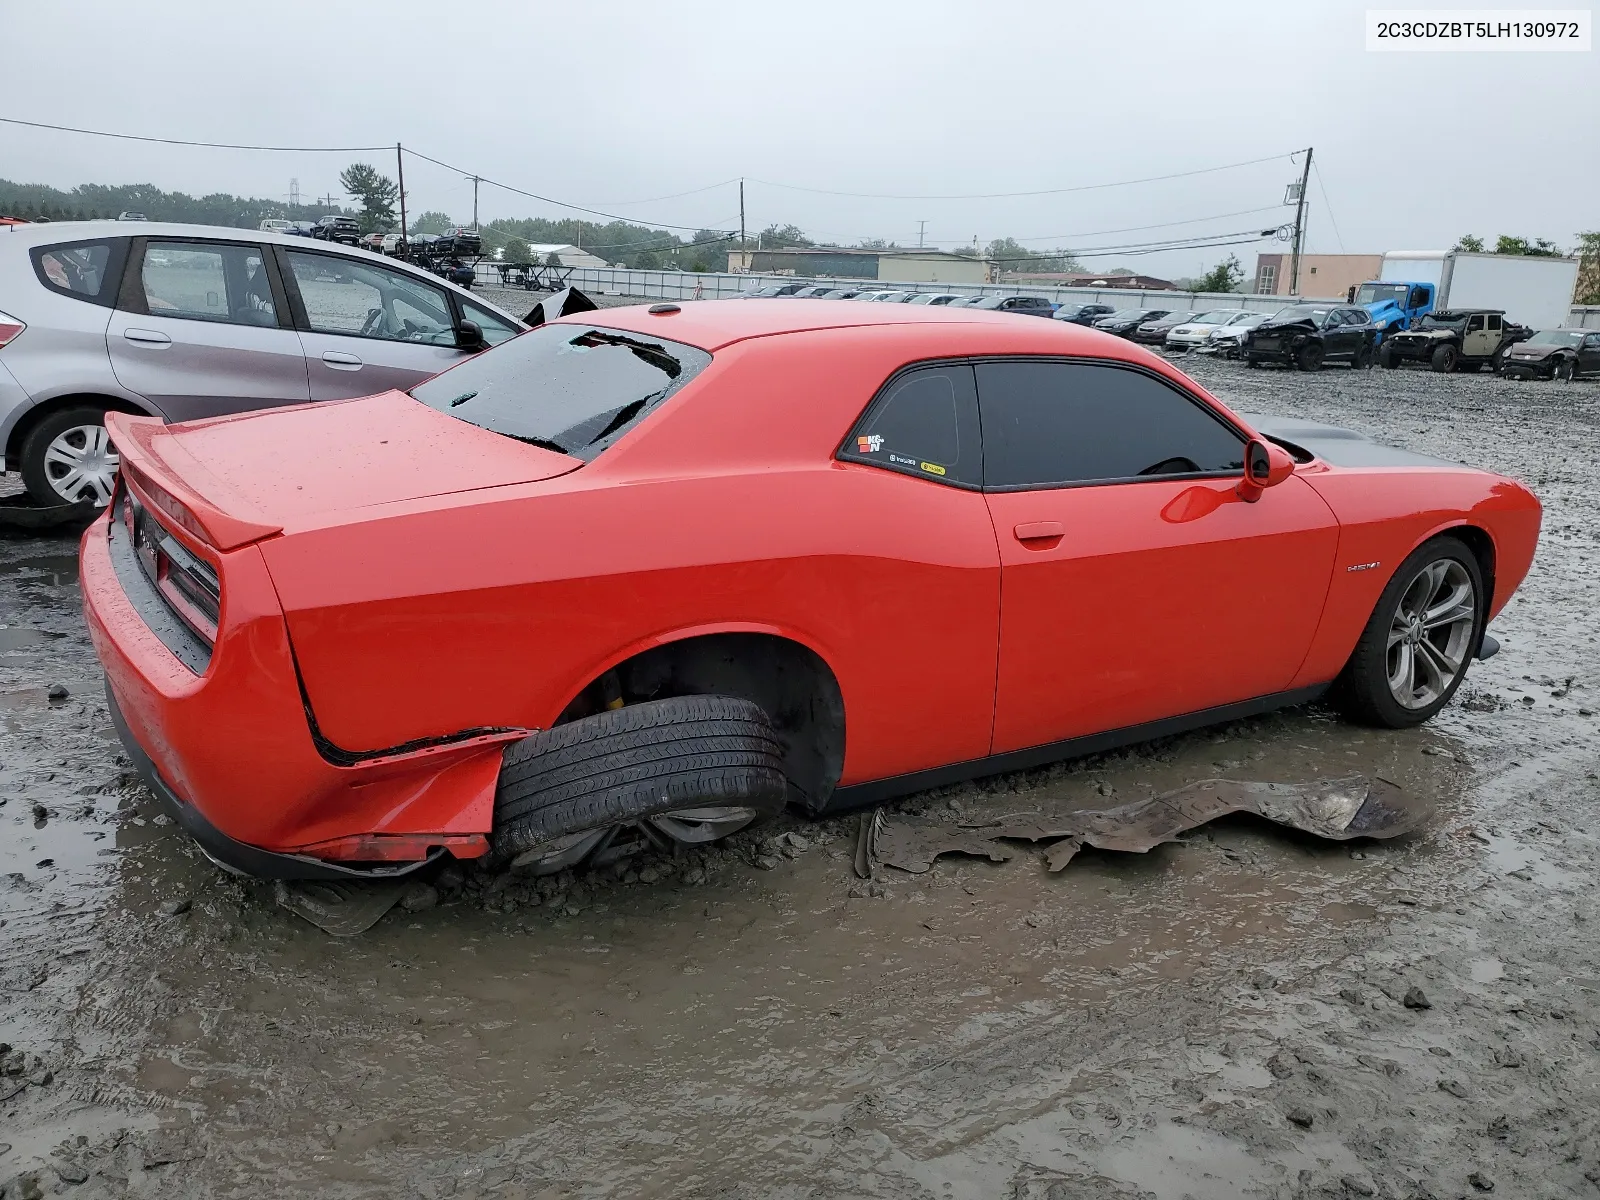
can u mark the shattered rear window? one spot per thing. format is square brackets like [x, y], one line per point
[574, 389]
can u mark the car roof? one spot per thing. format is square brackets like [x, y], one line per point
[714, 324]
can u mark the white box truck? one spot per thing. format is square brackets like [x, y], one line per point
[1532, 291]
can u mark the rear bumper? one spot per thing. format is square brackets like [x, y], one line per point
[231, 750]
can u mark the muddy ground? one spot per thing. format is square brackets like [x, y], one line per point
[1224, 1017]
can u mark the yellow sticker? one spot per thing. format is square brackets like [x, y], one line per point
[932, 468]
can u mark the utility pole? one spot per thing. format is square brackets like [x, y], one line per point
[400, 169]
[744, 251]
[475, 181]
[1299, 228]
[921, 227]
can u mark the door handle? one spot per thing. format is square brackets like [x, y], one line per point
[340, 361]
[1039, 531]
[149, 337]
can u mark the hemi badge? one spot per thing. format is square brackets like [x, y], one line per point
[1362, 567]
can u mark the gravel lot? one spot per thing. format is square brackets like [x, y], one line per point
[1225, 1017]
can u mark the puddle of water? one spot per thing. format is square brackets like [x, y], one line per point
[56, 570]
[1486, 970]
[1508, 856]
[24, 698]
[22, 637]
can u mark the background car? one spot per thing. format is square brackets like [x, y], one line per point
[1308, 335]
[131, 216]
[189, 321]
[1554, 354]
[1228, 340]
[1154, 331]
[392, 243]
[1028, 306]
[812, 291]
[333, 228]
[460, 242]
[1082, 314]
[895, 297]
[1125, 320]
[1193, 331]
[773, 290]
[937, 299]
[372, 242]
[275, 225]
[841, 294]
[309, 639]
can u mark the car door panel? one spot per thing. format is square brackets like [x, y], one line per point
[1127, 597]
[366, 328]
[178, 336]
[1158, 599]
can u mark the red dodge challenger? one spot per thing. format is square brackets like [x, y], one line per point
[650, 574]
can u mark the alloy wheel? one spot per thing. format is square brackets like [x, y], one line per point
[81, 465]
[1430, 635]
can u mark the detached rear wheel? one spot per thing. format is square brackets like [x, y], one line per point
[68, 458]
[686, 770]
[1424, 631]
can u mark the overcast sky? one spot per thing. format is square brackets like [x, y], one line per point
[621, 105]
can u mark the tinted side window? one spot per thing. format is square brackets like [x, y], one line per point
[925, 423]
[84, 270]
[1474, 324]
[207, 283]
[1048, 423]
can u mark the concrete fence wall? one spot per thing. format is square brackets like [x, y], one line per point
[688, 285]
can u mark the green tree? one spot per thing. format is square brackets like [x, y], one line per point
[516, 250]
[1011, 255]
[647, 260]
[376, 192]
[431, 222]
[1538, 248]
[1224, 277]
[1588, 251]
[552, 259]
[1469, 244]
[775, 236]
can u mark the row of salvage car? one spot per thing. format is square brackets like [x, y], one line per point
[1302, 335]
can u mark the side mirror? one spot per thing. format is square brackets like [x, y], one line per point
[1265, 465]
[469, 336]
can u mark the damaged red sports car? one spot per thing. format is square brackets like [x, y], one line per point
[650, 574]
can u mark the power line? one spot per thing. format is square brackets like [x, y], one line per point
[1317, 171]
[547, 199]
[1086, 187]
[1208, 242]
[134, 137]
[710, 187]
[1055, 237]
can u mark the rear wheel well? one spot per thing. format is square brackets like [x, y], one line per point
[790, 682]
[44, 408]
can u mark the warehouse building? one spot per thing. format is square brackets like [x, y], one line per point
[1322, 276]
[894, 266]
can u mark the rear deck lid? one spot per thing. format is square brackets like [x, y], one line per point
[249, 476]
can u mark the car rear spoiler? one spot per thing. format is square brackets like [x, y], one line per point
[171, 479]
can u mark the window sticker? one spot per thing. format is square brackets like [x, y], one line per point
[869, 443]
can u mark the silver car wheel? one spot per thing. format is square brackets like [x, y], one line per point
[81, 465]
[1430, 635]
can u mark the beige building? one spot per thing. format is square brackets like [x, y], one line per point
[894, 266]
[1322, 276]
[919, 266]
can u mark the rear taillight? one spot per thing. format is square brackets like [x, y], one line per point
[187, 583]
[9, 328]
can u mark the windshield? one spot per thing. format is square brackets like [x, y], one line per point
[1300, 312]
[1380, 293]
[1217, 317]
[570, 388]
[1555, 337]
[1248, 319]
[1438, 322]
[1124, 314]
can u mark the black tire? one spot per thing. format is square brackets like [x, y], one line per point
[1363, 359]
[1310, 357]
[1252, 361]
[1566, 370]
[1387, 358]
[1444, 359]
[1497, 358]
[635, 762]
[34, 470]
[1362, 690]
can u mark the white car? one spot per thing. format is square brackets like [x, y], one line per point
[1228, 340]
[276, 225]
[1192, 334]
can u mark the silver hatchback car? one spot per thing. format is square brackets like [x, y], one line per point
[190, 321]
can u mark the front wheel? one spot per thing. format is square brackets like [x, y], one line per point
[1310, 357]
[68, 458]
[1388, 359]
[685, 770]
[1415, 649]
[1444, 359]
[1567, 370]
[1363, 358]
